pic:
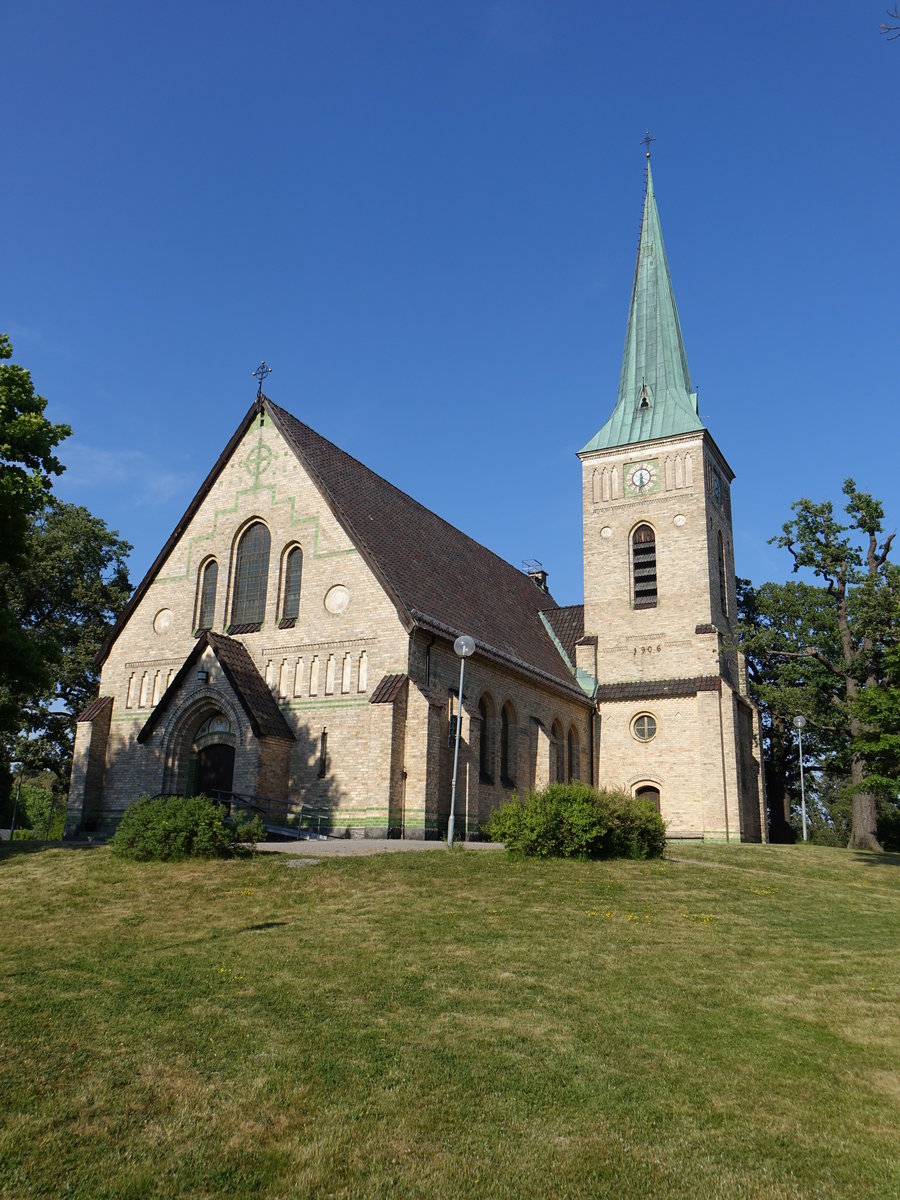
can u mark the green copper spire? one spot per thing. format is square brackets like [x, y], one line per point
[655, 395]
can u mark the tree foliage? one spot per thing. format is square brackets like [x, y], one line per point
[72, 583]
[27, 463]
[825, 649]
[891, 30]
[63, 579]
[27, 441]
[878, 710]
[778, 622]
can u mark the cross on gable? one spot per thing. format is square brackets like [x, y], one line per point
[261, 372]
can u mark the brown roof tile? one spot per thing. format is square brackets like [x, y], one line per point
[568, 625]
[438, 576]
[266, 718]
[94, 709]
[387, 689]
[655, 689]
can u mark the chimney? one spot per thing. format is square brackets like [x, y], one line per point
[535, 570]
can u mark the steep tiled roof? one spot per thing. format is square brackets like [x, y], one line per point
[438, 577]
[568, 625]
[387, 689]
[265, 717]
[94, 709]
[655, 689]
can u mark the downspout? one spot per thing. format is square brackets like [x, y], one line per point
[593, 734]
[724, 772]
[428, 660]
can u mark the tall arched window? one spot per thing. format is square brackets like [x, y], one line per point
[251, 570]
[485, 742]
[723, 590]
[558, 753]
[643, 566]
[290, 588]
[206, 595]
[574, 755]
[507, 745]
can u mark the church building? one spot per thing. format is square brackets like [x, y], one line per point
[292, 643]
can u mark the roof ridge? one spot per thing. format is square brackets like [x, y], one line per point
[283, 412]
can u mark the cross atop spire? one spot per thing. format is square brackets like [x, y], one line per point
[655, 397]
[646, 140]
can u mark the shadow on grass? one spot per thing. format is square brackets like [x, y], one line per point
[873, 859]
[13, 849]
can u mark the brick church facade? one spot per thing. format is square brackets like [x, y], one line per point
[293, 640]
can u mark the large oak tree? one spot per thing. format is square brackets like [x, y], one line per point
[841, 638]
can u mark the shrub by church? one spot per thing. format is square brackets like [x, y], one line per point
[293, 640]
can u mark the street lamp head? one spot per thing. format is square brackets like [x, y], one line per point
[464, 645]
[799, 722]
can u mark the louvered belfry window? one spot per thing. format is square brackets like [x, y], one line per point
[643, 562]
[251, 576]
[206, 608]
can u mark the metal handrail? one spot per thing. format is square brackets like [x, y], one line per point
[271, 810]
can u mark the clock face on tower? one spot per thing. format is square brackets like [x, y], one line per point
[642, 478]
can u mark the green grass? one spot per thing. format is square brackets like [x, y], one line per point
[450, 1024]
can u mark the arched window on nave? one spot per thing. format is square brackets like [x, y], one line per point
[290, 590]
[251, 572]
[207, 582]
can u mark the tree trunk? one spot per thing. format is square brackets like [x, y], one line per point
[776, 769]
[863, 834]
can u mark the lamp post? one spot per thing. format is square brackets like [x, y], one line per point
[799, 725]
[16, 801]
[464, 646]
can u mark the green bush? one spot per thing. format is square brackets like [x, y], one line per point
[38, 816]
[576, 821]
[824, 836]
[168, 828]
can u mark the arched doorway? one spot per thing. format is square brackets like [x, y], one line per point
[215, 768]
[648, 791]
[211, 766]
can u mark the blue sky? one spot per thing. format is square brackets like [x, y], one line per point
[424, 216]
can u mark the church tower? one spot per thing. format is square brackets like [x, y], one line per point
[660, 620]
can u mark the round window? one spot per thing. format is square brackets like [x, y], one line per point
[644, 727]
[337, 598]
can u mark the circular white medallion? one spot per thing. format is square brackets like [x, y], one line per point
[606, 531]
[162, 620]
[679, 520]
[337, 598]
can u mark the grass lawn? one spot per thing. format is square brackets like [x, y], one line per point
[451, 1024]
